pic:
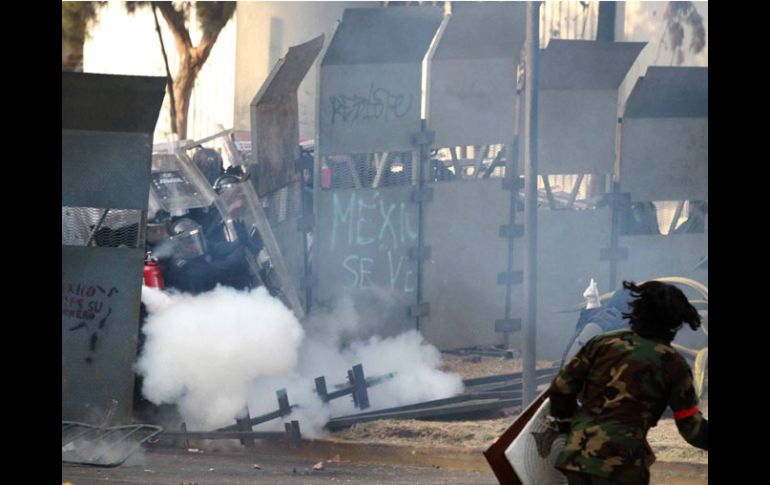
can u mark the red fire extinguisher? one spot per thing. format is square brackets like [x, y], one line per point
[152, 276]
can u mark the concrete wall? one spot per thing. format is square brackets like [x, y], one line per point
[265, 32]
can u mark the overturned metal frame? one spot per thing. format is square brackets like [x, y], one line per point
[284, 409]
[483, 394]
[453, 407]
[291, 433]
[94, 443]
[357, 387]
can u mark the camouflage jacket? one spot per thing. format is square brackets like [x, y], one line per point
[624, 383]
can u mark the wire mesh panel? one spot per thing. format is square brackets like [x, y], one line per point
[103, 227]
[369, 170]
[84, 444]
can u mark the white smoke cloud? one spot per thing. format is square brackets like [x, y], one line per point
[217, 352]
[204, 352]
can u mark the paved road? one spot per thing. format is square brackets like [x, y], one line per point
[173, 466]
[370, 464]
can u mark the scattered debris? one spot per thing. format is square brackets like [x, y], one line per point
[185, 482]
[86, 444]
[319, 466]
[335, 459]
[194, 450]
[257, 467]
[211, 469]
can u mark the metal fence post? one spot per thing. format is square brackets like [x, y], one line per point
[530, 190]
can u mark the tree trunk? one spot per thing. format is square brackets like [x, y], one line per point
[191, 59]
[72, 61]
[184, 82]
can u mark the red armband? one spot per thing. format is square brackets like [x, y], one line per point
[685, 413]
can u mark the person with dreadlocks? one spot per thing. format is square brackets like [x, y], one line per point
[624, 380]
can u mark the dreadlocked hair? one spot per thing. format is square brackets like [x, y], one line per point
[659, 310]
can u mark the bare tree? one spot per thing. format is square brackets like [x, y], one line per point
[212, 18]
[78, 17]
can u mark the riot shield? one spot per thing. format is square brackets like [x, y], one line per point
[239, 201]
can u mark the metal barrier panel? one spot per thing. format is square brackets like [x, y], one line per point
[98, 164]
[361, 249]
[473, 74]
[100, 320]
[578, 104]
[467, 253]
[107, 126]
[664, 140]
[665, 158]
[110, 103]
[370, 88]
[462, 228]
[369, 108]
[576, 131]
[274, 118]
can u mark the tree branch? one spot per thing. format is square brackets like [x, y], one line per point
[175, 22]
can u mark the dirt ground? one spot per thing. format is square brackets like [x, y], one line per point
[664, 439]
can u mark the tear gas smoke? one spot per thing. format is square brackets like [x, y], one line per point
[203, 352]
[217, 352]
[164, 249]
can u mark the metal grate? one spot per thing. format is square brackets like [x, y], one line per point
[369, 170]
[84, 444]
[284, 204]
[103, 227]
[391, 169]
